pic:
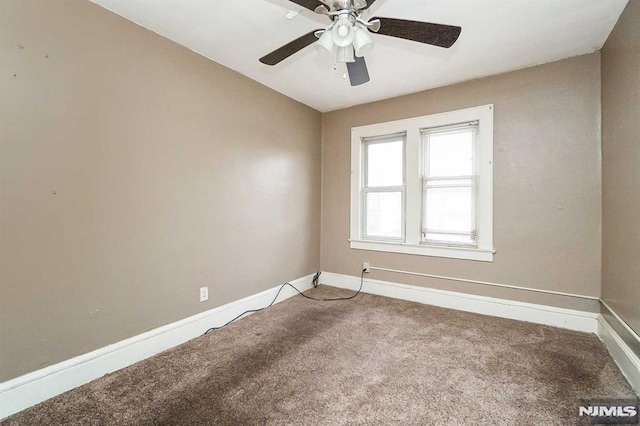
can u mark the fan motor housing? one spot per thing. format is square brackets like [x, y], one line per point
[350, 5]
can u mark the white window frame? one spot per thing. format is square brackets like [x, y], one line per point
[412, 127]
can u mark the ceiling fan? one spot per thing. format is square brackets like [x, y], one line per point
[348, 35]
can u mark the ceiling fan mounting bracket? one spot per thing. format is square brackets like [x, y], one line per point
[334, 8]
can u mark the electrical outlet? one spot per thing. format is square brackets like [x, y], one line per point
[366, 267]
[204, 293]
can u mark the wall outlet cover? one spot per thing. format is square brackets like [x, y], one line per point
[204, 293]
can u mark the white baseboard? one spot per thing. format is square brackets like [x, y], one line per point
[622, 354]
[33, 388]
[539, 314]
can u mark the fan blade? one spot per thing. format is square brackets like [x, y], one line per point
[357, 70]
[309, 4]
[422, 32]
[369, 3]
[289, 49]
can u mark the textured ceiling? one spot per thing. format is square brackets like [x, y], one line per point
[497, 36]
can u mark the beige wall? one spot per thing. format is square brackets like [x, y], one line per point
[133, 172]
[621, 166]
[547, 180]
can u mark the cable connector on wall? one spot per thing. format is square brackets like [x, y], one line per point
[366, 267]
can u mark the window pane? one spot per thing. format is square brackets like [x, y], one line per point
[449, 209]
[450, 154]
[384, 214]
[384, 164]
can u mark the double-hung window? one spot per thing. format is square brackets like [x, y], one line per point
[425, 185]
[449, 182]
[383, 192]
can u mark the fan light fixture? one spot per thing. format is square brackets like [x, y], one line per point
[343, 31]
[344, 37]
[325, 43]
[362, 42]
[344, 54]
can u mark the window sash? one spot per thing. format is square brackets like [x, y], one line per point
[473, 226]
[391, 190]
[425, 134]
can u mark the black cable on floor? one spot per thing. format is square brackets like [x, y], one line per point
[314, 281]
[330, 299]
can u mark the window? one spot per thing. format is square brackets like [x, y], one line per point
[425, 185]
[383, 190]
[449, 185]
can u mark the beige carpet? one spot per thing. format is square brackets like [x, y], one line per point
[370, 360]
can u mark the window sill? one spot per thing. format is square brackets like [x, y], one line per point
[482, 255]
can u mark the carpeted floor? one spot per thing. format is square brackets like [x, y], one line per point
[370, 360]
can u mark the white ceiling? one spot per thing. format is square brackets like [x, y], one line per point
[497, 36]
